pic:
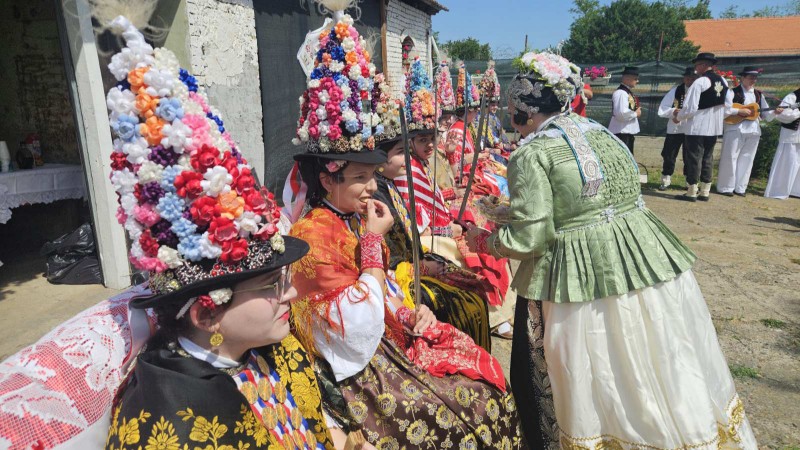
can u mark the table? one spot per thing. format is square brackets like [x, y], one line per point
[43, 184]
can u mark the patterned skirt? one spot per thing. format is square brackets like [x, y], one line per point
[398, 405]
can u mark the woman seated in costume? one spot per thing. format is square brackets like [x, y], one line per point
[406, 379]
[222, 370]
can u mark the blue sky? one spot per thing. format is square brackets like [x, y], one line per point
[504, 23]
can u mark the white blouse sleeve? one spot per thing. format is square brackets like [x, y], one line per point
[729, 109]
[350, 351]
[665, 109]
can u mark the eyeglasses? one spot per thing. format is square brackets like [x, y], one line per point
[279, 286]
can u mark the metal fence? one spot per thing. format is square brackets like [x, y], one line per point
[655, 79]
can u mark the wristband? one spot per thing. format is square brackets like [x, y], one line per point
[449, 194]
[371, 251]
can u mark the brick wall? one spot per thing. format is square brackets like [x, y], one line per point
[224, 58]
[403, 20]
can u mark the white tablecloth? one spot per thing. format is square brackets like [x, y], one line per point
[44, 184]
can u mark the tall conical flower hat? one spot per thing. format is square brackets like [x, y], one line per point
[467, 95]
[444, 90]
[189, 201]
[489, 85]
[420, 110]
[388, 108]
[338, 117]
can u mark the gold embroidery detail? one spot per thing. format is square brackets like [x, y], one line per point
[264, 389]
[250, 391]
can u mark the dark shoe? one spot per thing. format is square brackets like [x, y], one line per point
[702, 198]
[743, 194]
[686, 198]
[726, 194]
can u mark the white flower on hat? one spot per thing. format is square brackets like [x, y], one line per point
[313, 84]
[181, 92]
[120, 102]
[322, 113]
[166, 61]
[150, 171]
[324, 128]
[348, 44]
[277, 243]
[159, 82]
[208, 249]
[192, 107]
[137, 150]
[220, 296]
[177, 135]
[349, 115]
[134, 229]
[324, 97]
[169, 256]
[123, 181]
[185, 161]
[372, 69]
[218, 141]
[136, 249]
[336, 66]
[347, 19]
[216, 181]
[355, 74]
[324, 144]
[248, 223]
[128, 202]
[127, 60]
[346, 91]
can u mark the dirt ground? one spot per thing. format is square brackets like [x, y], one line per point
[748, 268]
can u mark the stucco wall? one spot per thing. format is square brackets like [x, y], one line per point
[224, 58]
[403, 20]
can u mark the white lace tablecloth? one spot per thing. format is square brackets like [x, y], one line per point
[44, 184]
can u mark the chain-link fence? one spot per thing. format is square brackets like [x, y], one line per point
[655, 79]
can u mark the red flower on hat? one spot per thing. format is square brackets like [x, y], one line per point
[206, 302]
[188, 184]
[149, 244]
[205, 158]
[230, 163]
[266, 232]
[254, 201]
[119, 161]
[244, 181]
[233, 251]
[222, 229]
[203, 210]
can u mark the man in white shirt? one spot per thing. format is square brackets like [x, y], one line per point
[740, 141]
[703, 109]
[625, 109]
[784, 176]
[675, 129]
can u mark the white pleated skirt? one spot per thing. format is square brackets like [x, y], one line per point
[642, 370]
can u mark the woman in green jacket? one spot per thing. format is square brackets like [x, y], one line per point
[614, 345]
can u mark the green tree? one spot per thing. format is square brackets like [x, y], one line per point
[792, 8]
[630, 30]
[467, 49]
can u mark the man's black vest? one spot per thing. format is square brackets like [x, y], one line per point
[636, 103]
[738, 95]
[680, 96]
[715, 95]
[796, 124]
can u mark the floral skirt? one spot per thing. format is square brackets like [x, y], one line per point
[642, 369]
[398, 405]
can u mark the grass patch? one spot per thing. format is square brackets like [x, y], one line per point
[796, 261]
[744, 372]
[759, 244]
[773, 323]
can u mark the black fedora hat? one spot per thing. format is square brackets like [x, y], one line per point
[294, 249]
[689, 72]
[630, 70]
[750, 70]
[705, 56]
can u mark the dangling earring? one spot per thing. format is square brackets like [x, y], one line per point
[381, 169]
[216, 339]
[530, 121]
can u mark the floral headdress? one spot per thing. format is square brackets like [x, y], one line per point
[490, 86]
[337, 110]
[444, 90]
[467, 95]
[548, 82]
[387, 108]
[187, 198]
[420, 110]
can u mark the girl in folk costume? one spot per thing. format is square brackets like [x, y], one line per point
[784, 176]
[433, 215]
[446, 105]
[467, 100]
[615, 348]
[452, 293]
[434, 387]
[490, 89]
[222, 370]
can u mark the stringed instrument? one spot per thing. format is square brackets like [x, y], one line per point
[755, 112]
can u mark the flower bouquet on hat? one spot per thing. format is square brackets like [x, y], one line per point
[420, 110]
[489, 85]
[189, 201]
[444, 90]
[467, 95]
[338, 117]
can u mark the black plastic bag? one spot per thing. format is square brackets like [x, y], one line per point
[72, 258]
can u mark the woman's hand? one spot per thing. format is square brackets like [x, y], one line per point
[379, 219]
[457, 230]
[424, 319]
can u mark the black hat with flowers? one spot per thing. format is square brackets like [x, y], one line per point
[339, 120]
[197, 220]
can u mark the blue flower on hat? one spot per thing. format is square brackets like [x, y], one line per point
[126, 127]
[189, 247]
[351, 126]
[188, 80]
[337, 53]
[169, 109]
[170, 207]
[168, 177]
[183, 227]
